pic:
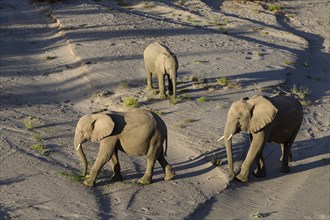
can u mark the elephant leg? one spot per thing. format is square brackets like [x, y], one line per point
[169, 172]
[256, 146]
[105, 152]
[149, 80]
[147, 177]
[170, 85]
[151, 159]
[261, 168]
[114, 162]
[289, 154]
[161, 83]
[286, 152]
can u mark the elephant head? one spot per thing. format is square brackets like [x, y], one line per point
[250, 115]
[92, 127]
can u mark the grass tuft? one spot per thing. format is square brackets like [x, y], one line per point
[40, 148]
[51, 57]
[73, 177]
[131, 102]
[173, 101]
[202, 99]
[216, 161]
[223, 81]
[37, 136]
[258, 215]
[302, 92]
[30, 122]
[124, 84]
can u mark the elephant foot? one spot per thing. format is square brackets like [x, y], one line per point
[169, 173]
[117, 177]
[89, 182]
[162, 96]
[145, 180]
[285, 169]
[259, 173]
[242, 178]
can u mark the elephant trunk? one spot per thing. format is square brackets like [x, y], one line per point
[228, 133]
[174, 86]
[81, 154]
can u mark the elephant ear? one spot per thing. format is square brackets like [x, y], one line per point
[263, 112]
[103, 127]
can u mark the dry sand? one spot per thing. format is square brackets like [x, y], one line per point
[63, 60]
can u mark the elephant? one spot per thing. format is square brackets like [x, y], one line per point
[267, 119]
[159, 60]
[138, 132]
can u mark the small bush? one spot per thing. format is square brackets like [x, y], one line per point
[30, 122]
[223, 81]
[40, 148]
[216, 161]
[202, 99]
[301, 92]
[37, 136]
[131, 102]
[274, 7]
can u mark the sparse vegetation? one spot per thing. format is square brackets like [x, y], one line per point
[173, 101]
[202, 99]
[30, 122]
[148, 5]
[201, 61]
[187, 120]
[131, 102]
[73, 177]
[182, 2]
[40, 148]
[258, 215]
[223, 30]
[274, 7]
[160, 112]
[194, 78]
[216, 161]
[155, 91]
[289, 62]
[124, 84]
[223, 81]
[301, 92]
[37, 136]
[51, 57]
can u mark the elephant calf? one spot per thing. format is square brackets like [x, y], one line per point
[138, 133]
[159, 60]
[267, 119]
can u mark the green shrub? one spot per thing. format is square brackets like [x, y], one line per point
[131, 102]
[40, 148]
[202, 99]
[30, 122]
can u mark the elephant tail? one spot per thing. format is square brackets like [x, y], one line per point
[165, 153]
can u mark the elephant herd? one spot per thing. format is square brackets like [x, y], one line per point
[141, 132]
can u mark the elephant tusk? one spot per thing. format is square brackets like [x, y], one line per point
[79, 146]
[221, 138]
[229, 137]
